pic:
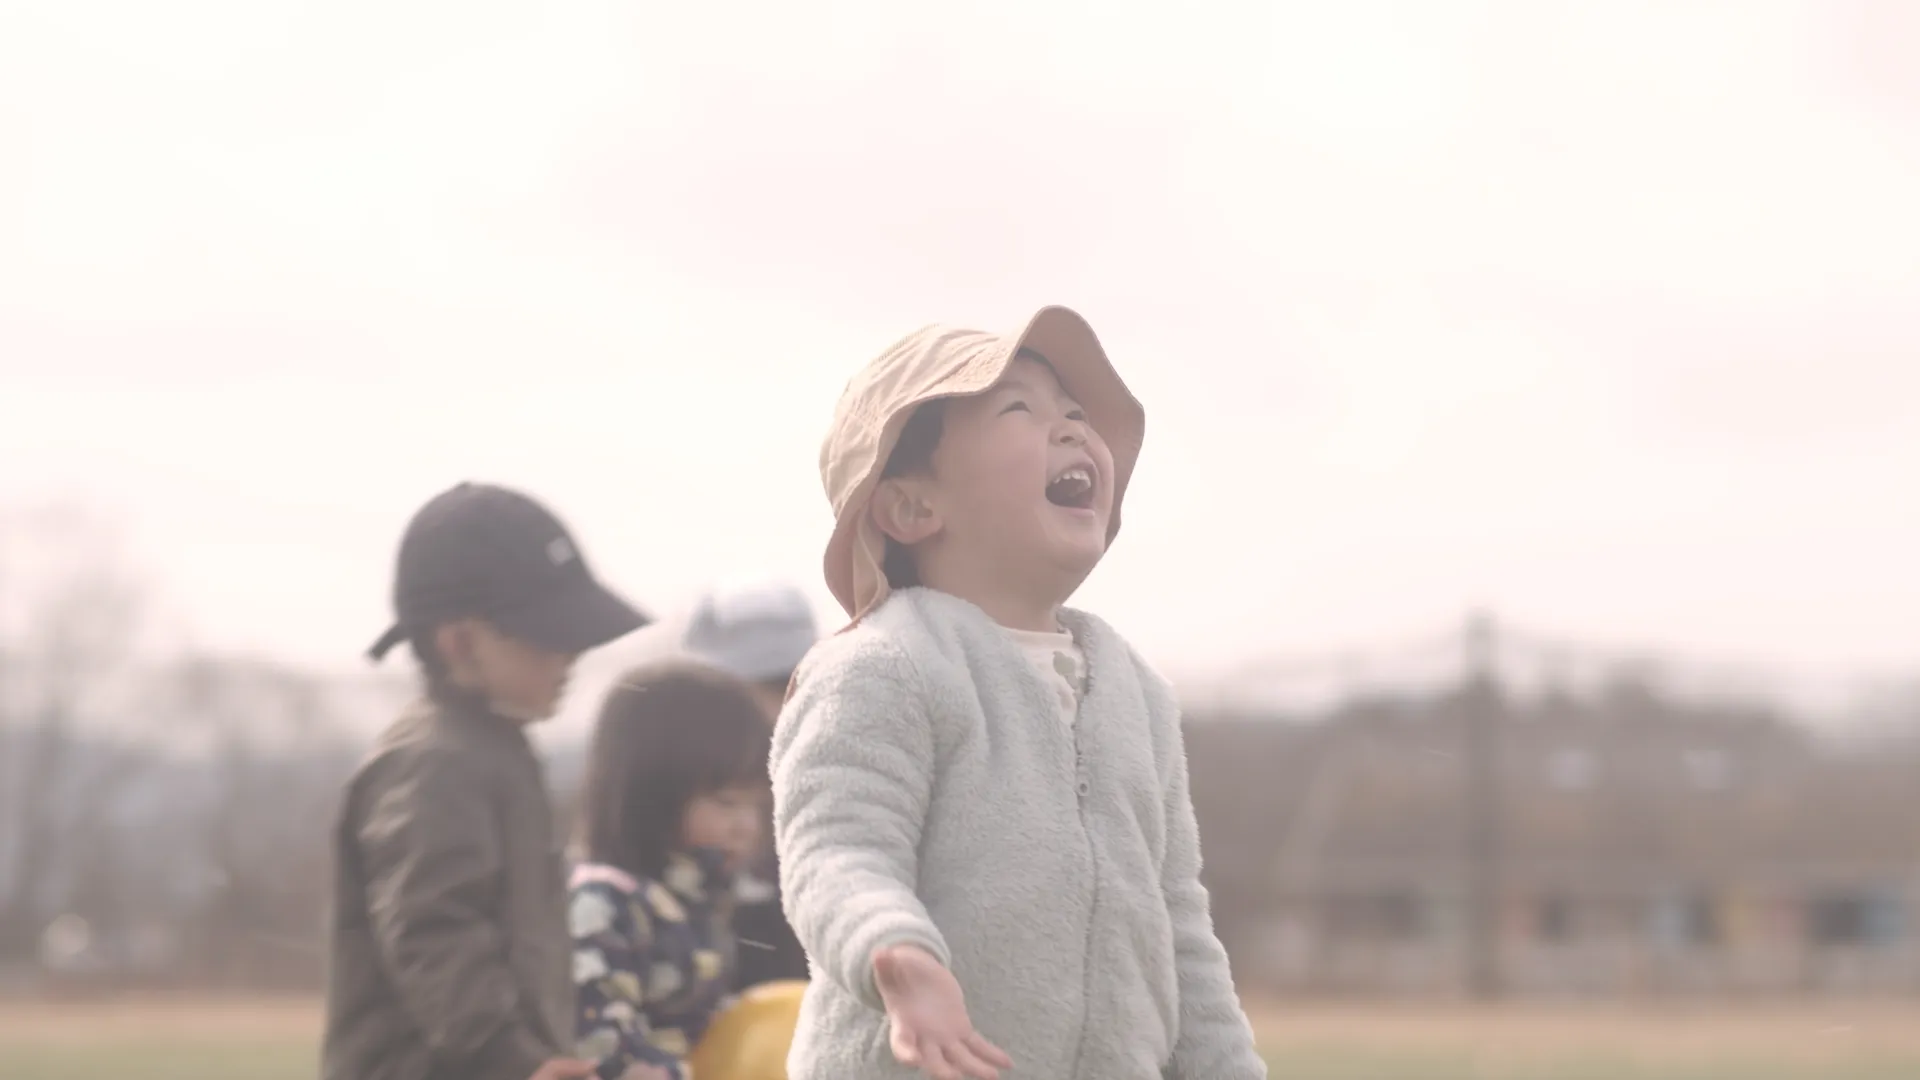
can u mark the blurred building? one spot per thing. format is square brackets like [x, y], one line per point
[1615, 844]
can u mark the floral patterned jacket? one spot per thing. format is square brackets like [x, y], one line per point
[652, 961]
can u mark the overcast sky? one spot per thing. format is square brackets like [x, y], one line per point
[1606, 315]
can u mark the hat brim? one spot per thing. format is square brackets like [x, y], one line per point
[583, 615]
[856, 551]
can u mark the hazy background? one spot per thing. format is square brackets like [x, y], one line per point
[1605, 315]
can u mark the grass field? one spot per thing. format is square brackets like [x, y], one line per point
[275, 1041]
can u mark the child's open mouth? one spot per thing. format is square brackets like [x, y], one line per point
[1072, 489]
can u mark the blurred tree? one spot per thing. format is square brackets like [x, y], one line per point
[69, 609]
[275, 760]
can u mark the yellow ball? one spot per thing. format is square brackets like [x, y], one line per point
[749, 1041]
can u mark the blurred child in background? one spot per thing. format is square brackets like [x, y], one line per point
[674, 807]
[758, 633]
[446, 937]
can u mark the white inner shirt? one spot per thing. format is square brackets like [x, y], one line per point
[1060, 663]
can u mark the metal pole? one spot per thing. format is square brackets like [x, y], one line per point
[1480, 704]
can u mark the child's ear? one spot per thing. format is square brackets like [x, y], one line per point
[455, 642]
[902, 511]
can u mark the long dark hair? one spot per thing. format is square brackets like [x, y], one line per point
[668, 731]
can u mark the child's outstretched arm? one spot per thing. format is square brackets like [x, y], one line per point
[853, 758]
[1215, 1042]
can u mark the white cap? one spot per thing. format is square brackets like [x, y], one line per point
[753, 632]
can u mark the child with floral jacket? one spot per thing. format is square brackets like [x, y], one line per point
[674, 803]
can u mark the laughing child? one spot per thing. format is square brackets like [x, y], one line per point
[986, 840]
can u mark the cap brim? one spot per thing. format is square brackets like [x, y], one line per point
[584, 615]
[394, 636]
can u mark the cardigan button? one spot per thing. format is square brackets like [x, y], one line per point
[1084, 788]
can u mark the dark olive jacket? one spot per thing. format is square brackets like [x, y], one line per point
[447, 939]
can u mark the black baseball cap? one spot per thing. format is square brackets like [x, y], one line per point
[477, 550]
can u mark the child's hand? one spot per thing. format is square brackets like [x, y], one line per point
[928, 1014]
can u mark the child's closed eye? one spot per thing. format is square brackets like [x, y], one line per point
[1015, 405]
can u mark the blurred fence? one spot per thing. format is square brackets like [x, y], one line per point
[1486, 832]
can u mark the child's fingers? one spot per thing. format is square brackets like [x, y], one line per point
[988, 1052]
[933, 1062]
[969, 1063]
[906, 1046]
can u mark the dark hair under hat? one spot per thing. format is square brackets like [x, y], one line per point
[478, 550]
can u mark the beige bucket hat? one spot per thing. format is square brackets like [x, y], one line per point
[939, 362]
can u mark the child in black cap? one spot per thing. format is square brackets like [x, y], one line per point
[448, 942]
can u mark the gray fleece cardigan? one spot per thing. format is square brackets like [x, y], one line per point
[925, 792]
